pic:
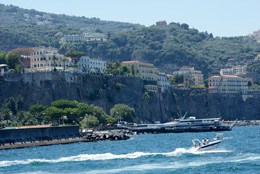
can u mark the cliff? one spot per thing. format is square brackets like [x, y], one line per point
[106, 91]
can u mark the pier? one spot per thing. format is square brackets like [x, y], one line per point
[44, 136]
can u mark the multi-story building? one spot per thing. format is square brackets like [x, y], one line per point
[191, 76]
[227, 84]
[46, 59]
[84, 37]
[145, 71]
[162, 82]
[236, 70]
[88, 65]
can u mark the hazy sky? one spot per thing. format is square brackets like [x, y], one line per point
[220, 17]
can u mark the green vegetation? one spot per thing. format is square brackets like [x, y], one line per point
[123, 112]
[11, 59]
[167, 47]
[116, 68]
[61, 112]
[176, 79]
[27, 28]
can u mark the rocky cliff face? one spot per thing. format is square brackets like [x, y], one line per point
[106, 91]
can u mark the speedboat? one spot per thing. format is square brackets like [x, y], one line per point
[206, 144]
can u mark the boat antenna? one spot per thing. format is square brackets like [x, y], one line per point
[185, 115]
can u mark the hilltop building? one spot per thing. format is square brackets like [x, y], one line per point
[191, 76]
[227, 84]
[161, 23]
[88, 65]
[236, 70]
[84, 37]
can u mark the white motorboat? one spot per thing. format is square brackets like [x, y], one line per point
[206, 144]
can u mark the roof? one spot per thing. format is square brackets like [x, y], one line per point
[3, 65]
[129, 62]
[34, 126]
[225, 76]
[230, 76]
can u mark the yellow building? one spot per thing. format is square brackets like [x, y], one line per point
[145, 71]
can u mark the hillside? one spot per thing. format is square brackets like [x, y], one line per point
[168, 47]
[172, 46]
[24, 28]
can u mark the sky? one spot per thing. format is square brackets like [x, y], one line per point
[219, 17]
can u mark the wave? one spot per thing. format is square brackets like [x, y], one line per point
[107, 156]
[174, 165]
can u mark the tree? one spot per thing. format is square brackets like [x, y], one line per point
[113, 67]
[176, 79]
[83, 109]
[89, 121]
[71, 113]
[14, 104]
[123, 112]
[2, 57]
[53, 114]
[99, 113]
[12, 61]
[37, 108]
[63, 103]
[75, 55]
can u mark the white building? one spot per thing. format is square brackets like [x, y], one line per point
[88, 65]
[84, 37]
[236, 70]
[162, 82]
[227, 84]
[47, 59]
[191, 76]
[2, 69]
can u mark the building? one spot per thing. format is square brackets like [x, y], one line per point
[191, 76]
[236, 70]
[227, 84]
[162, 82]
[88, 65]
[161, 23]
[145, 71]
[84, 37]
[46, 59]
[2, 69]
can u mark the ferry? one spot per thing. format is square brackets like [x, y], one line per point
[190, 124]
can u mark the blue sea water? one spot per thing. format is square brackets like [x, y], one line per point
[148, 153]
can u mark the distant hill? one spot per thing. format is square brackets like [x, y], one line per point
[22, 28]
[168, 46]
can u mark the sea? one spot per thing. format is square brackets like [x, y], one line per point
[239, 152]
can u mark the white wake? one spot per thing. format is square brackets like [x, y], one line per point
[106, 156]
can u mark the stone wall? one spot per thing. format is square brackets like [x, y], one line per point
[37, 134]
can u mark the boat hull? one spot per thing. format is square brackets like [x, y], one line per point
[209, 146]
